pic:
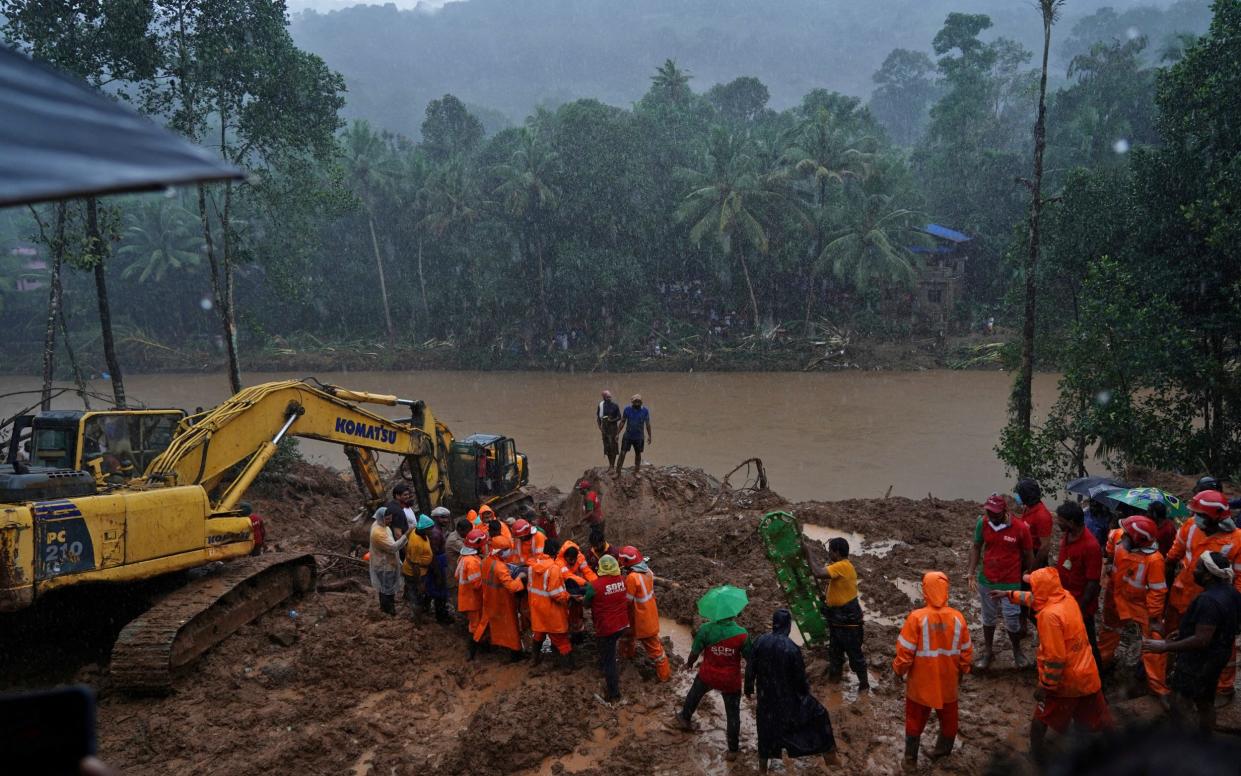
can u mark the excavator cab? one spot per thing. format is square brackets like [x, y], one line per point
[113, 445]
[485, 467]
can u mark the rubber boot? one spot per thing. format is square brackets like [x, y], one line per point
[566, 662]
[910, 763]
[473, 651]
[538, 653]
[943, 746]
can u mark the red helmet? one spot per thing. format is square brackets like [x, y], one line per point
[583, 485]
[522, 528]
[1140, 529]
[996, 505]
[476, 538]
[1210, 504]
[629, 555]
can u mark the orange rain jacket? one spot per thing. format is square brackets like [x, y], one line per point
[934, 647]
[1138, 586]
[549, 601]
[484, 516]
[1066, 666]
[499, 600]
[525, 549]
[469, 584]
[643, 612]
[582, 573]
[1191, 541]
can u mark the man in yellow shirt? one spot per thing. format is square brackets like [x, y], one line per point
[843, 614]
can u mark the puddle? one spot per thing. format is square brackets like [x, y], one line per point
[858, 545]
[909, 588]
[681, 636]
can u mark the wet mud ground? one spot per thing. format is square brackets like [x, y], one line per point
[327, 685]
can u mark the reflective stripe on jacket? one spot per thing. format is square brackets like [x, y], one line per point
[1066, 666]
[549, 601]
[1190, 543]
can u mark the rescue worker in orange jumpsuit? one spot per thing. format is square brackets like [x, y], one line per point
[487, 519]
[643, 612]
[498, 622]
[527, 542]
[577, 575]
[1069, 689]
[1211, 529]
[932, 651]
[1137, 591]
[470, 581]
[549, 608]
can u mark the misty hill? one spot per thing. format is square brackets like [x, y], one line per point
[513, 55]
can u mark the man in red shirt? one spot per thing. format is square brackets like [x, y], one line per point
[1037, 517]
[592, 507]
[1165, 528]
[1081, 566]
[1006, 551]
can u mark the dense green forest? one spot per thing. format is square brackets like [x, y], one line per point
[697, 220]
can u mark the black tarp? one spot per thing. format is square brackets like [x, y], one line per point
[61, 138]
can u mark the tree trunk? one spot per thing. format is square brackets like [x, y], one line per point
[383, 285]
[53, 309]
[217, 285]
[749, 284]
[422, 283]
[547, 315]
[78, 379]
[99, 251]
[230, 309]
[1023, 399]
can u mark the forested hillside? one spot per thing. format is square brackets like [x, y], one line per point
[509, 56]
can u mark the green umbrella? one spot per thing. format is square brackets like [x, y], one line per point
[1142, 498]
[722, 603]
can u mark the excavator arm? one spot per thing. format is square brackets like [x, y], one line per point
[225, 448]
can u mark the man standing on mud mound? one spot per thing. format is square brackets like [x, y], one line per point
[635, 426]
[788, 717]
[1069, 689]
[608, 599]
[643, 612]
[1006, 550]
[607, 418]
[932, 651]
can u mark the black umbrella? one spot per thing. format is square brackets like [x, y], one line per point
[1092, 486]
[61, 138]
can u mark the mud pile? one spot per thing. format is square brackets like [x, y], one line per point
[327, 685]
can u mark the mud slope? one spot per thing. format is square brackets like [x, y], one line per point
[327, 686]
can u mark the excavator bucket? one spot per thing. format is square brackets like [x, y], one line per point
[781, 536]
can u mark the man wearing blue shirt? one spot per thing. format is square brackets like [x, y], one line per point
[635, 420]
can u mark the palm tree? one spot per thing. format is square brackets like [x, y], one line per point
[370, 166]
[868, 247]
[527, 196]
[729, 201]
[671, 83]
[823, 153]
[451, 204]
[160, 236]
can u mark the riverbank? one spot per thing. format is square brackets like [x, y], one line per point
[780, 352]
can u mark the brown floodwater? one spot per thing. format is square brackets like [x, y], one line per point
[821, 436]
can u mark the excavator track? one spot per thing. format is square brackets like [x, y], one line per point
[192, 619]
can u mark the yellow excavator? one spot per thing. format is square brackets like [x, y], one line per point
[129, 495]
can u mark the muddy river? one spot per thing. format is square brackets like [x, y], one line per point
[821, 436]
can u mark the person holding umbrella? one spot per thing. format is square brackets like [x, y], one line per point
[722, 644]
[789, 719]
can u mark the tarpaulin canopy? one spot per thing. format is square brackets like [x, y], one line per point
[60, 138]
